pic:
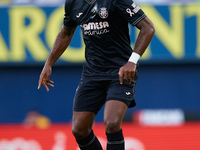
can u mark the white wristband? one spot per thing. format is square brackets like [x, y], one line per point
[134, 57]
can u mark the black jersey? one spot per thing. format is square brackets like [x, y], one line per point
[104, 25]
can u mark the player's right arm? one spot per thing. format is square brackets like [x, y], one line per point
[61, 43]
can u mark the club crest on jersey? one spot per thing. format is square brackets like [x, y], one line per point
[103, 13]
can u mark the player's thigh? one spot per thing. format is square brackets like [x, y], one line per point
[119, 98]
[114, 112]
[82, 123]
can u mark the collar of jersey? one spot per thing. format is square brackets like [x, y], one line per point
[90, 1]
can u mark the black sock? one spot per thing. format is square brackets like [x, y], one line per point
[89, 143]
[115, 141]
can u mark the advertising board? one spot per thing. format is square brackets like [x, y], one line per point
[27, 33]
[59, 137]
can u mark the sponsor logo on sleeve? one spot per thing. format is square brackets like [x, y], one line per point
[134, 10]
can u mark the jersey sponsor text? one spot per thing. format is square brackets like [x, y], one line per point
[95, 28]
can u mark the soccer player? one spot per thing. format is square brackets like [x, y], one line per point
[110, 70]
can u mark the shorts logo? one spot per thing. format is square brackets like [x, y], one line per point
[103, 13]
[128, 93]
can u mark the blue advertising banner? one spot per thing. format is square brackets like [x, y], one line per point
[27, 33]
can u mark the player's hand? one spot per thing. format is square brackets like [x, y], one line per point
[127, 72]
[44, 78]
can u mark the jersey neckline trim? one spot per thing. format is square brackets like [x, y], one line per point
[90, 1]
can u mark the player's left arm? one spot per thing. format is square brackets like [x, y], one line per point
[146, 33]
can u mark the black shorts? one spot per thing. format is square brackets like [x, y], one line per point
[92, 93]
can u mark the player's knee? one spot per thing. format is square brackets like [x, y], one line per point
[80, 133]
[112, 126]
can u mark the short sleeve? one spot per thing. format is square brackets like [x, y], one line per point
[68, 22]
[130, 11]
